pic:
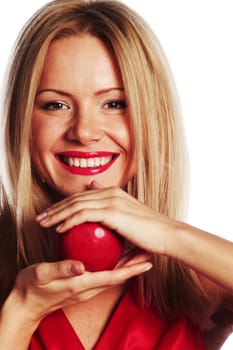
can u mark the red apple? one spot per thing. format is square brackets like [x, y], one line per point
[93, 244]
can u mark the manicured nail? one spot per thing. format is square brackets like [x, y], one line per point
[77, 269]
[59, 228]
[42, 216]
[147, 267]
[44, 221]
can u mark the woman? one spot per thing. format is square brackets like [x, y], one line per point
[92, 133]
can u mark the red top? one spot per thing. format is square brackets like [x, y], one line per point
[130, 328]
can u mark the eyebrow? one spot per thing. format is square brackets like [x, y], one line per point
[105, 91]
[97, 93]
[57, 91]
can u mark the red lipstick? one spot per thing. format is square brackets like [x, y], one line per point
[62, 158]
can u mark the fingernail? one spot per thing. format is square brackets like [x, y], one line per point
[77, 269]
[147, 267]
[59, 228]
[42, 216]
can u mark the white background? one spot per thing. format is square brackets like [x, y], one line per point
[197, 36]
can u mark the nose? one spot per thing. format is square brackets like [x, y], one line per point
[85, 130]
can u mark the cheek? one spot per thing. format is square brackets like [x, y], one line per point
[131, 151]
[124, 137]
[44, 133]
[127, 144]
[38, 142]
[41, 140]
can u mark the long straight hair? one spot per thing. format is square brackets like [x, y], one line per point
[157, 132]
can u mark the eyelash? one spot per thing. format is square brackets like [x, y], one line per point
[56, 105]
[116, 104]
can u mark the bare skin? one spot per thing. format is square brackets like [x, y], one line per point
[46, 287]
[85, 113]
[124, 214]
[198, 249]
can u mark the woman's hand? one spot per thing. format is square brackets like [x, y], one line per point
[146, 229]
[45, 287]
[115, 209]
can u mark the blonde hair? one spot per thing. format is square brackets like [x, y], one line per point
[157, 135]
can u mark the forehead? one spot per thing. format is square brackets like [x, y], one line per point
[85, 58]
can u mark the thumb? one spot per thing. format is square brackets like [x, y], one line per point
[48, 272]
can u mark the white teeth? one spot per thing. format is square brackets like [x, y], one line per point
[83, 163]
[87, 163]
[90, 163]
[97, 161]
[105, 160]
[75, 162]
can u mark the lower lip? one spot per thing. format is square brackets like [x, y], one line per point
[87, 171]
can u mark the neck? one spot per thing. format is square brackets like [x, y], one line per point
[83, 316]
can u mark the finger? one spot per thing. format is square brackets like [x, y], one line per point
[86, 195]
[86, 215]
[88, 294]
[76, 202]
[53, 217]
[90, 280]
[94, 194]
[67, 207]
[59, 206]
[128, 254]
[133, 258]
[44, 273]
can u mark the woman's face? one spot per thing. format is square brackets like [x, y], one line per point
[80, 122]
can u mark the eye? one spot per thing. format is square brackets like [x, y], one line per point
[55, 105]
[117, 104]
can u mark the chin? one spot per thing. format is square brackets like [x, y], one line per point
[66, 187]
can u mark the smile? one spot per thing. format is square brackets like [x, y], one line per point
[86, 163]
